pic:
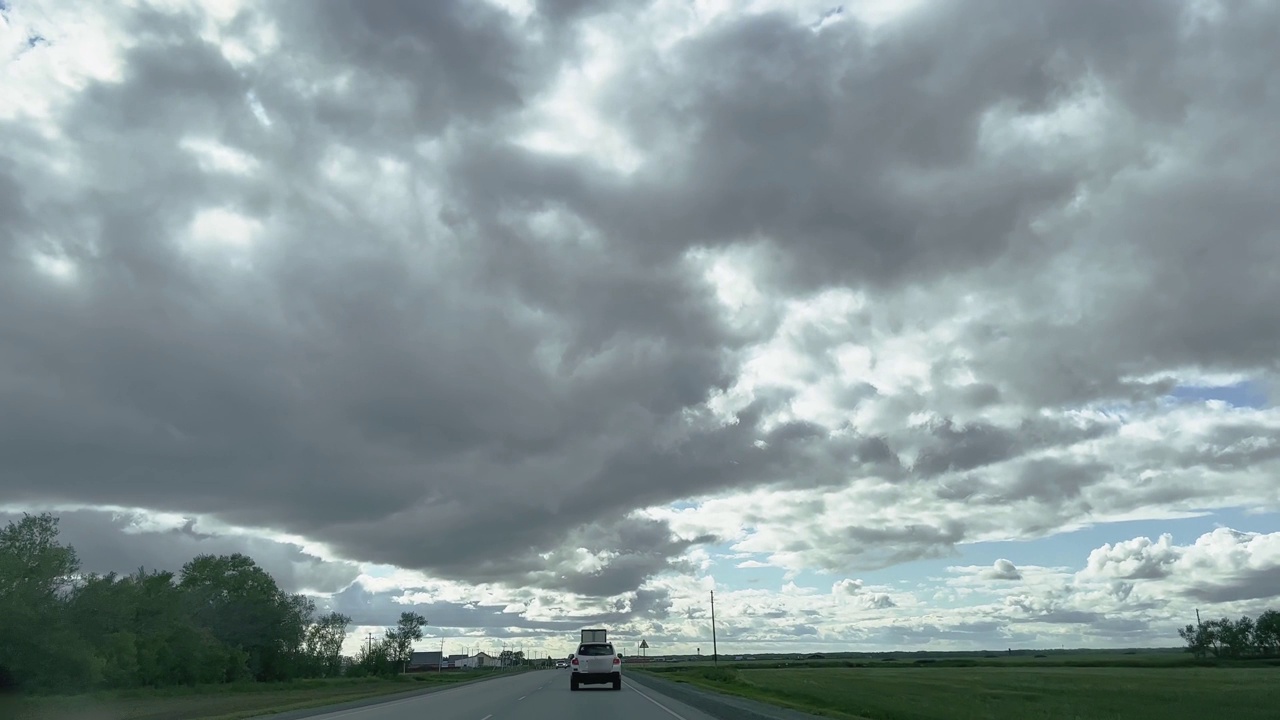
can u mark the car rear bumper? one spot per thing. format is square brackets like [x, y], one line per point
[596, 678]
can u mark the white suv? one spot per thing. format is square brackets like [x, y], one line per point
[596, 664]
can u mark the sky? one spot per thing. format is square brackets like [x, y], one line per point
[916, 325]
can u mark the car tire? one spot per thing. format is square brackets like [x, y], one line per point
[573, 684]
[617, 682]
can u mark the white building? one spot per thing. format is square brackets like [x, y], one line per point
[479, 660]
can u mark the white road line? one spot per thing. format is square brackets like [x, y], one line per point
[522, 697]
[486, 717]
[670, 712]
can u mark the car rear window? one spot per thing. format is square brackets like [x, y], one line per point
[596, 650]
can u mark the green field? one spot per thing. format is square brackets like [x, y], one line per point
[1152, 687]
[220, 702]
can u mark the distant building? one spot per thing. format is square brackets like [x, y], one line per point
[479, 660]
[419, 661]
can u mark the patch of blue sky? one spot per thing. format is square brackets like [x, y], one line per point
[902, 576]
[725, 570]
[380, 571]
[1072, 549]
[1244, 394]
[1069, 550]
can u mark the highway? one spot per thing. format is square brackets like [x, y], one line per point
[535, 695]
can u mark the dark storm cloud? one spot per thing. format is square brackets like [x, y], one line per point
[958, 448]
[638, 548]
[790, 134]
[1231, 445]
[418, 377]
[370, 608]
[342, 382]
[1250, 584]
[439, 62]
[1049, 481]
[109, 542]
[858, 547]
[860, 154]
[561, 11]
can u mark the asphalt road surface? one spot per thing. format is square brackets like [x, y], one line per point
[535, 695]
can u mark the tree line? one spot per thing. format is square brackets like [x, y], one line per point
[1227, 638]
[221, 619]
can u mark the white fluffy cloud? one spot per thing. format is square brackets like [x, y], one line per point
[1220, 567]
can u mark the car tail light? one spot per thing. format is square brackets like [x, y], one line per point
[575, 661]
[617, 661]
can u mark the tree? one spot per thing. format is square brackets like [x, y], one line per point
[1266, 633]
[37, 648]
[1237, 636]
[374, 659]
[140, 633]
[400, 639]
[34, 567]
[242, 607]
[1229, 638]
[222, 619]
[324, 644]
[1197, 638]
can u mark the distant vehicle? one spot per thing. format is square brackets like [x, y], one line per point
[596, 663]
[595, 635]
[562, 663]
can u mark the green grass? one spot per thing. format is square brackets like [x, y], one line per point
[1052, 658]
[220, 702]
[892, 691]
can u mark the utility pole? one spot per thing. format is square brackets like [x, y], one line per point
[715, 654]
[369, 649]
[440, 665]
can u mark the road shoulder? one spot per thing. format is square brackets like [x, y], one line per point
[717, 705]
[380, 699]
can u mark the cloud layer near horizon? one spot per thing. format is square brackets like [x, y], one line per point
[545, 299]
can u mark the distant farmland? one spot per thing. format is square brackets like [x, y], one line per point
[1082, 685]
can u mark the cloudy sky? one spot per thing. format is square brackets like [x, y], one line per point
[900, 324]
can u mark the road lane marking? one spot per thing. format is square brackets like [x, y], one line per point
[670, 712]
[486, 717]
[522, 697]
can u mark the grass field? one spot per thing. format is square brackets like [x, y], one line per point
[905, 691]
[219, 702]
